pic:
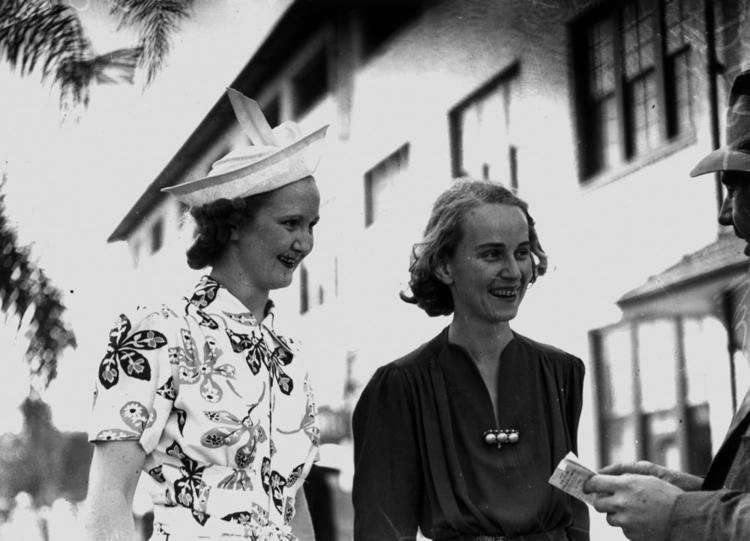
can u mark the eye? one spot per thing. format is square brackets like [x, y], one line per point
[523, 253]
[491, 255]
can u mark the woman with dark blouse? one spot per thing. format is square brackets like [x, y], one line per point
[459, 437]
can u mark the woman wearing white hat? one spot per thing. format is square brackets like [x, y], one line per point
[204, 395]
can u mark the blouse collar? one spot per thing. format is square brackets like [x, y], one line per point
[210, 293]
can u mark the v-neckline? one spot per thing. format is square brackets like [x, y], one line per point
[486, 393]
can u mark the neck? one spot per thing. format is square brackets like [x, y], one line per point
[234, 281]
[485, 342]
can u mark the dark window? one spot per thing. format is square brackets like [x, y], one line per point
[651, 380]
[480, 129]
[321, 295]
[304, 286]
[157, 236]
[381, 183]
[633, 80]
[310, 84]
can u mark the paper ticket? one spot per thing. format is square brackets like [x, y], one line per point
[570, 475]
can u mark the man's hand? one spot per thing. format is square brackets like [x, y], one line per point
[639, 504]
[685, 481]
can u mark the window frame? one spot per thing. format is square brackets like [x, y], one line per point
[671, 137]
[402, 152]
[504, 77]
[639, 417]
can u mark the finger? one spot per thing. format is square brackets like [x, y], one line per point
[614, 520]
[607, 484]
[615, 469]
[604, 503]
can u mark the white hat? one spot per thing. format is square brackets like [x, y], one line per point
[275, 158]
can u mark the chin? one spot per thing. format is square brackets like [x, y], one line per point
[280, 284]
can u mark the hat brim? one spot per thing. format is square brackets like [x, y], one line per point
[722, 159]
[289, 164]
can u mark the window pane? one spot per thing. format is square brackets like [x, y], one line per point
[682, 92]
[484, 132]
[638, 51]
[620, 439]
[699, 428]
[601, 59]
[644, 113]
[382, 184]
[656, 355]
[607, 133]
[705, 344]
[617, 373]
[675, 21]
[661, 439]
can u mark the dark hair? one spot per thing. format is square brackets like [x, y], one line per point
[443, 234]
[214, 223]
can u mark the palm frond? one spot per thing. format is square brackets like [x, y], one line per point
[156, 21]
[25, 289]
[47, 33]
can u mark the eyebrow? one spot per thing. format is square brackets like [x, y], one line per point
[499, 244]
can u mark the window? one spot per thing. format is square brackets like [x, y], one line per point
[480, 129]
[650, 376]
[310, 84]
[304, 290]
[381, 183]
[157, 236]
[633, 80]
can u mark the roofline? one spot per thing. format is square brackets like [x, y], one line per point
[728, 270]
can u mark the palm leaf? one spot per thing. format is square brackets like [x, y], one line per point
[49, 33]
[25, 289]
[156, 21]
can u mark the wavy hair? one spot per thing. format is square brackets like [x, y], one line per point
[214, 223]
[443, 233]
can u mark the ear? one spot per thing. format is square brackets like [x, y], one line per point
[443, 273]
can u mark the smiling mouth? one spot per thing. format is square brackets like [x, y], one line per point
[289, 262]
[508, 293]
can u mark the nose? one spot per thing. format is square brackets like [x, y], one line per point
[511, 270]
[303, 243]
[725, 213]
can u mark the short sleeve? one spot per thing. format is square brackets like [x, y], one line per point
[387, 490]
[134, 389]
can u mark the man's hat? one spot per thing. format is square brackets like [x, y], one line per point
[275, 158]
[735, 155]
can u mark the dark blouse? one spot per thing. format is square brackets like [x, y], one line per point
[420, 456]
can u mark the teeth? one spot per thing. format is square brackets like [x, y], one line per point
[503, 292]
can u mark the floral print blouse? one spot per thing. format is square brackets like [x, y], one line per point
[223, 408]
